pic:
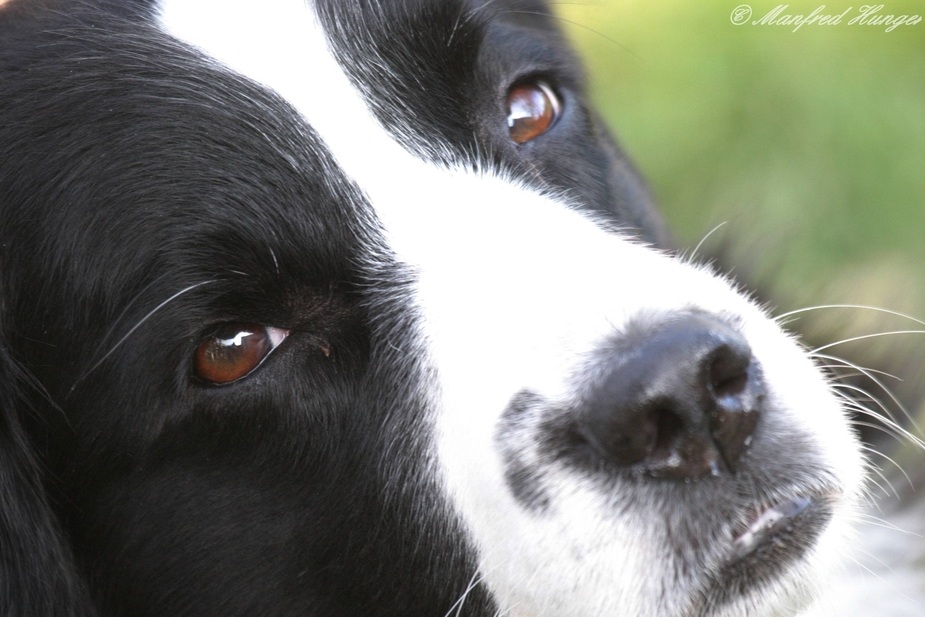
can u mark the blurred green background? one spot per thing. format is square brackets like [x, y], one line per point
[808, 146]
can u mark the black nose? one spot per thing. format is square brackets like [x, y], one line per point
[680, 401]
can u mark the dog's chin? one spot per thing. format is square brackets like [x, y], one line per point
[766, 563]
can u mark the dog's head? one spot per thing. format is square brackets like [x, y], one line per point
[354, 308]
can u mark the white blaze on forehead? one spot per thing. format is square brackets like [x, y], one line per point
[514, 288]
[280, 44]
[483, 246]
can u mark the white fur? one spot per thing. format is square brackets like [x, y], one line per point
[515, 289]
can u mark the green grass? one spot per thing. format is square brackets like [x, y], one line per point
[809, 145]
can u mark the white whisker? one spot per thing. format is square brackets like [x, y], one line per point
[457, 607]
[885, 417]
[876, 469]
[848, 306]
[864, 337]
[693, 253]
[876, 521]
[132, 330]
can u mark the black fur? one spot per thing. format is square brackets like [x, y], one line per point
[133, 174]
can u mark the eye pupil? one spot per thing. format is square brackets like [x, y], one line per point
[233, 351]
[532, 109]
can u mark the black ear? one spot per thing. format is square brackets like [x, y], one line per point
[38, 577]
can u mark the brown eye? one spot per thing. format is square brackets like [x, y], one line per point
[532, 109]
[234, 350]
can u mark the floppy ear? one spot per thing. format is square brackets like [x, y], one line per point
[38, 577]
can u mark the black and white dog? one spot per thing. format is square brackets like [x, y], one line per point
[338, 308]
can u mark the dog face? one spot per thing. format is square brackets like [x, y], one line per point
[356, 309]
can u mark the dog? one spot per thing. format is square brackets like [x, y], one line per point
[341, 308]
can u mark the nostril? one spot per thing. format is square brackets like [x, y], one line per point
[728, 367]
[667, 428]
[737, 393]
[621, 444]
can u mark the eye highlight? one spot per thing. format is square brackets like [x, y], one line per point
[532, 109]
[234, 350]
